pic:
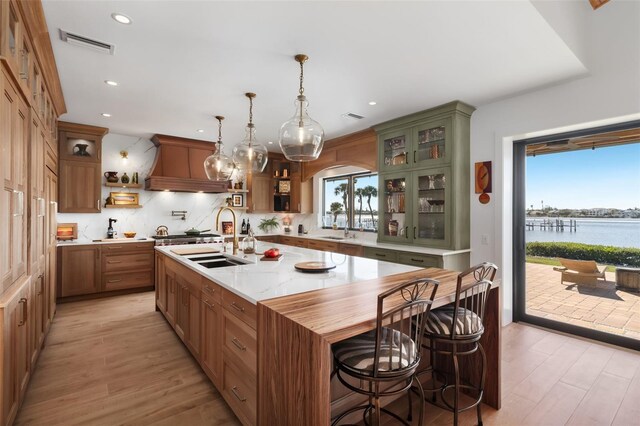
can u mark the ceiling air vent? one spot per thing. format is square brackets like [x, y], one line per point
[352, 115]
[83, 41]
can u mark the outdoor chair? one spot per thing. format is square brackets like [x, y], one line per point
[580, 271]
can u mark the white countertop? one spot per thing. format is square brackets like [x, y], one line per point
[261, 280]
[367, 243]
[83, 242]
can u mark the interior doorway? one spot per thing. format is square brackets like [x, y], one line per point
[577, 233]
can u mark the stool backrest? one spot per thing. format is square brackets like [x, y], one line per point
[472, 290]
[402, 309]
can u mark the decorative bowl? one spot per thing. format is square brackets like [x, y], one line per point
[129, 234]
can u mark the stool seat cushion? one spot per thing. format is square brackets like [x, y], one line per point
[440, 322]
[358, 352]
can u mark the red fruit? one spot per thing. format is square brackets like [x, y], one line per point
[272, 252]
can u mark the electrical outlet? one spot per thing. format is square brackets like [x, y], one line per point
[484, 240]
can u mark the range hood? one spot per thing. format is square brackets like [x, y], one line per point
[179, 166]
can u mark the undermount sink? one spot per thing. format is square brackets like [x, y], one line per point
[215, 261]
[331, 237]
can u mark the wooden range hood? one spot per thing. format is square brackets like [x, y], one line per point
[179, 166]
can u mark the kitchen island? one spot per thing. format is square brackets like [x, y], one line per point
[262, 331]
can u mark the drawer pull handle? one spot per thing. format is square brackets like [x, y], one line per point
[114, 248]
[417, 260]
[114, 261]
[23, 317]
[208, 304]
[381, 255]
[237, 394]
[236, 307]
[114, 281]
[238, 344]
[209, 289]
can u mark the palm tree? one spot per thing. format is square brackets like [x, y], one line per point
[335, 208]
[343, 189]
[370, 191]
[359, 193]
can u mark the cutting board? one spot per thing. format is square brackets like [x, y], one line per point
[195, 250]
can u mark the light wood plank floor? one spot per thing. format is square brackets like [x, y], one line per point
[116, 361]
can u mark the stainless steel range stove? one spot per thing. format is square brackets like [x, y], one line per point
[170, 240]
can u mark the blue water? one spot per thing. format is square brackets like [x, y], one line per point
[606, 232]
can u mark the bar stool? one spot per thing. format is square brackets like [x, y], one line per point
[455, 330]
[385, 359]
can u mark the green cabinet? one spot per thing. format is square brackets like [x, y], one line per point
[424, 182]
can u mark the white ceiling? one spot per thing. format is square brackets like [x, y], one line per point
[181, 62]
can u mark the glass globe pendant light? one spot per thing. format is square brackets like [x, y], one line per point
[219, 166]
[250, 156]
[301, 137]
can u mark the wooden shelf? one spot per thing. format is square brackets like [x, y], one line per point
[123, 206]
[237, 191]
[123, 185]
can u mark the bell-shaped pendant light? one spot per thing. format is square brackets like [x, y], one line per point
[219, 166]
[301, 138]
[250, 156]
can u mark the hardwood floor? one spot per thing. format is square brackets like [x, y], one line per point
[116, 361]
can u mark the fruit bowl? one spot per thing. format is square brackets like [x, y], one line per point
[129, 234]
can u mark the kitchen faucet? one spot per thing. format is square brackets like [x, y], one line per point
[110, 228]
[235, 235]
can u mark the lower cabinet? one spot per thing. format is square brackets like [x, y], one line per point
[219, 329]
[101, 268]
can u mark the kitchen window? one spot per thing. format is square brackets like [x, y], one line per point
[350, 201]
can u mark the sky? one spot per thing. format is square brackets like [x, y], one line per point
[607, 177]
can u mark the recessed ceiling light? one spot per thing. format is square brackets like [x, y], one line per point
[200, 130]
[123, 19]
[106, 114]
[110, 83]
[270, 142]
[372, 102]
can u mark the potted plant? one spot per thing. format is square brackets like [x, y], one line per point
[267, 225]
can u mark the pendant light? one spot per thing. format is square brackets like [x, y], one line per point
[250, 156]
[219, 166]
[301, 137]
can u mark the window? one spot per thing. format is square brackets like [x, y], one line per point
[351, 201]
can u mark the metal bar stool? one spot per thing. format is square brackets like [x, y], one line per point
[385, 359]
[455, 330]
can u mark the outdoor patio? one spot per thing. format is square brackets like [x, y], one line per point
[600, 307]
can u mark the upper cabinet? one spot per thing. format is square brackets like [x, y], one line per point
[80, 168]
[424, 178]
[11, 47]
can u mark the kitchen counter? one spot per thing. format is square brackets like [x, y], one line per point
[84, 242]
[261, 280]
[367, 243]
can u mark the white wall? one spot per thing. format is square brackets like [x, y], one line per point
[157, 206]
[611, 91]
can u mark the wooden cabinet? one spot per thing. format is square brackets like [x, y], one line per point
[351, 249]
[331, 246]
[51, 207]
[211, 338]
[14, 140]
[294, 241]
[37, 207]
[78, 270]
[290, 194]
[269, 238]
[259, 195]
[12, 35]
[38, 316]
[80, 156]
[424, 179]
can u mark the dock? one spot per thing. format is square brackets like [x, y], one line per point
[560, 225]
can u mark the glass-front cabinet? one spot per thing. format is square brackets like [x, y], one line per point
[395, 207]
[431, 216]
[423, 145]
[424, 165]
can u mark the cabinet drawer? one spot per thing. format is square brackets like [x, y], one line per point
[293, 241]
[133, 261]
[122, 281]
[240, 342]
[351, 249]
[421, 260]
[211, 291]
[323, 245]
[127, 247]
[269, 239]
[240, 307]
[240, 393]
[381, 254]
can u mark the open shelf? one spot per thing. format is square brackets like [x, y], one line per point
[123, 206]
[123, 185]
[237, 191]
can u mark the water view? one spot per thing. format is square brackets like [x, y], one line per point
[607, 232]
